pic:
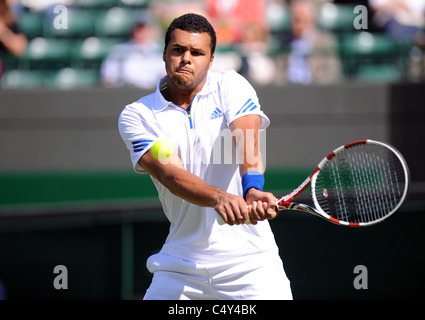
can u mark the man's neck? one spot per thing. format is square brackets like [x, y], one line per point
[180, 97]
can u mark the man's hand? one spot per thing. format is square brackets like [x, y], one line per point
[261, 205]
[233, 209]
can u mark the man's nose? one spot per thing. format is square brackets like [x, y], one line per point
[186, 57]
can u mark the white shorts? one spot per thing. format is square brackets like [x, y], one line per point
[253, 277]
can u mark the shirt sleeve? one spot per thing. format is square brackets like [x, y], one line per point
[138, 136]
[241, 99]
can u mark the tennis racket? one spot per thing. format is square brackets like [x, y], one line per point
[359, 184]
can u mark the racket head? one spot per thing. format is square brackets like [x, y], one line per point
[361, 183]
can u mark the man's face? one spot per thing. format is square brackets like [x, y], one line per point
[187, 59]
[302, 18]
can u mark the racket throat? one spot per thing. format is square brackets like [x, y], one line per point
[295, 206]
[297, 191]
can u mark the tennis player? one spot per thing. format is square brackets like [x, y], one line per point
[203, 258]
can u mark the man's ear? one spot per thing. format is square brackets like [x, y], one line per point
[211, 61]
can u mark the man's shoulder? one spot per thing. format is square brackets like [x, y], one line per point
[146, 102]
[224, 76]
[141, 108]
[227, 80]
[230, 82]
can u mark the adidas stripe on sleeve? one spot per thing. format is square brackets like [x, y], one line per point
[248, 106]
[137, 135]
[241, 99]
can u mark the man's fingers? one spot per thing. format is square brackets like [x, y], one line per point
[260, 210]
[245, 213]
[236, 212]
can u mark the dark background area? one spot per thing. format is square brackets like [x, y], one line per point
[319, 257]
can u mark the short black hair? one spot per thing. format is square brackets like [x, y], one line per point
[195, 23]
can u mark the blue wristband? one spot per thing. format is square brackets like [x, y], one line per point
[252, 179]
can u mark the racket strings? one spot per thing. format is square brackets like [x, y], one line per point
[361, 184]
[373, 190]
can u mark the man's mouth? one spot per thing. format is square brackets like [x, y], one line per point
[185, 71]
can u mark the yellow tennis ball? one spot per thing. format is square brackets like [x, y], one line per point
[162, 148]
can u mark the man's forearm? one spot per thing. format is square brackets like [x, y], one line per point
[246, 132]
[190, 187]
[232, 208]
[181, 182]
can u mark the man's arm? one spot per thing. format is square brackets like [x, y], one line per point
[233, 209]
[246, 132]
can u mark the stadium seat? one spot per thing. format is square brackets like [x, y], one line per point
[336, 18]
[96, 4]
[278, 18]
[366, 44]
[93, 49]
[31, 24]
[43, 50]
[378, 73]
[134, 3]
[366, 50]
[8, 60]
[23, 79]
[69, 78]
[80, 24]
[115, 22]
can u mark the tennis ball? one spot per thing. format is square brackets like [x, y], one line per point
[162, 148]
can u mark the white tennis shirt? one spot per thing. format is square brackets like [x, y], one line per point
[200, 138]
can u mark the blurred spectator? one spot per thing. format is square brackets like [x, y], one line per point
[138, 62]
[312, 55]
[404, 20]
[168, 10]
[10, 39]
[242, 25]
[257, 66]
[401, 19]
[231, 17]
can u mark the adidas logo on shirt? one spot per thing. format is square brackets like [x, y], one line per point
[216, 114]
